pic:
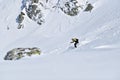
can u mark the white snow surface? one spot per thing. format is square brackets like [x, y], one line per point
[96, 58]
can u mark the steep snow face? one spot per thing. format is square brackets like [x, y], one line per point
[9, 11]
[100, 27]
[9, 24]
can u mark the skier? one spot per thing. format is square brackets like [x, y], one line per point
[75, 41]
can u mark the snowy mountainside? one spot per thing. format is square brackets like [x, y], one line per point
[31, 26]
[97, 55]
[104, 30]
[98, 28]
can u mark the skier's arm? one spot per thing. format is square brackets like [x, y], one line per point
[72, 42]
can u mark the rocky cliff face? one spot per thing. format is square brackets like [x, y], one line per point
[71, 7]
[35, 9]
[32, 9]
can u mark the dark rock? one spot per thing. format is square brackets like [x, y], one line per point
[71, 8]
[89, 7]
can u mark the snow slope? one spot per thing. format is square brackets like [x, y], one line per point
[97, 55]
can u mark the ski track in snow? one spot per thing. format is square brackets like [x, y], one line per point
[100, 32]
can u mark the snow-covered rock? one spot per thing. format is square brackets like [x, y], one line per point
[71, 7]
[19, 53]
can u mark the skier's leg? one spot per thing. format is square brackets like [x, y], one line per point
[75, 45]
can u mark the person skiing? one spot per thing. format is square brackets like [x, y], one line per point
[75, 41]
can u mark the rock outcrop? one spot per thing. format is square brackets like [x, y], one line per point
[19, 53]
[89, 7]
[71, 7]
[34, 11]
